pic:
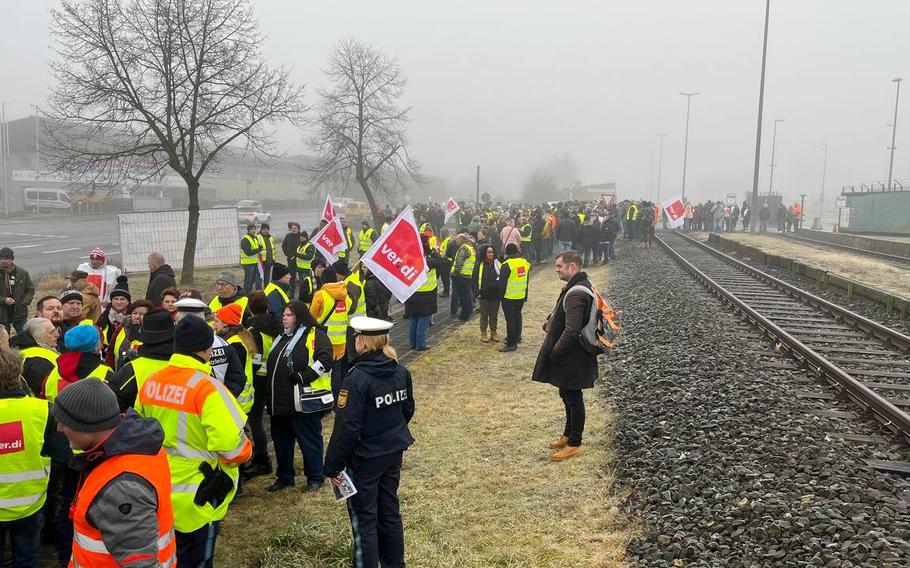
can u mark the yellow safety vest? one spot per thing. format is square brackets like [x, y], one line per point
[143, 367]
[272, 287]
[23, 470]
[48, 355]
[301, 263]
[245, 400]
[202, 423]
[365, 240]
[337, 322]
[517, 283]
[265, 250]
[467, 269]
[324, 381]
[632, 213]
[261, 358]
[431, 283]
[118, 345]
[424, 227]
[525, 238]
[444, 245]
[361, 308]
[349, 243]
[581, 217]
[52, 386]
[250, 258]
[242, 301]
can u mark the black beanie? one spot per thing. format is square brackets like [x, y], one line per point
[122, 289]
[329, 275]
[192, 335]
[279, 271]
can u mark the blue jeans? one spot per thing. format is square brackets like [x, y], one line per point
[564, 246]
[417, 331]
[606, 250]
[251, 279]
[25, 538]
[462, 289]
[197, 549]
[306, 430]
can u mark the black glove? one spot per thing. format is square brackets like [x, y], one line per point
[215, 486]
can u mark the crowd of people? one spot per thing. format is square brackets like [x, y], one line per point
[720, 217]
[139, 466]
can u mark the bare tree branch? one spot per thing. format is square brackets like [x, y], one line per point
[145, 86]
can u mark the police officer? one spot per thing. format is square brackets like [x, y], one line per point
[375, 404]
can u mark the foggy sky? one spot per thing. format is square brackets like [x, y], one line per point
[508, 84]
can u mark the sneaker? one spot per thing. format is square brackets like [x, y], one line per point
[278, 486]
[566, 453]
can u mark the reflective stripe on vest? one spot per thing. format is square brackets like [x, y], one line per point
[349, 242]
[323, 382]
[432, 282]
[272, 287]
[365, 240]
[301, 250]
[202, 422]
[361, 309]
[260, 238]
[267, 341]
[88, 544]
[245, 400]
[23, 470]
[249, 258]
[52, 386]
[337, 322]
[467, 269]
[517, 283]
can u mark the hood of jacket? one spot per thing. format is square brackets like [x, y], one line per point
[376, 363]
[161, 351]
[164, 269]
[23, 341]
[266, 323]
[75, 365]
[337, 290]
[133, 435]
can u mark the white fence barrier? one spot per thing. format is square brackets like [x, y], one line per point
[217, 242]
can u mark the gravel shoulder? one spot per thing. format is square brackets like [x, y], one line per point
[726, 463]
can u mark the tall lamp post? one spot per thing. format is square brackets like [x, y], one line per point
[660, 163]
[897, 98]
[761, 103]
[821, 194]
[773, 147]
[686, 144]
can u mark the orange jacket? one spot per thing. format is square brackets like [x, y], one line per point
[338, 291]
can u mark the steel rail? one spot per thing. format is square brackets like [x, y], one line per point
[887, 413]
[902, 260]
[882, 332]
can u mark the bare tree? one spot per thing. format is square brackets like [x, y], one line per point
[361, 129]
[143, 86]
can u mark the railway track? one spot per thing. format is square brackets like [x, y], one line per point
[867, 362]
[896, 260]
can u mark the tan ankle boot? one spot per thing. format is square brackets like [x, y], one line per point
[558, 444]
[494, 336]
[566, 453]
[484, 337]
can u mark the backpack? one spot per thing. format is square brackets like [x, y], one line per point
[604, 323]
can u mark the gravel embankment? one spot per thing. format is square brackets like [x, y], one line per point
[726, 465]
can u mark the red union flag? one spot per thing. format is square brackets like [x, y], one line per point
[675, 210]
[330, 239]
[397, 258]
[328, 210]
[451, 208]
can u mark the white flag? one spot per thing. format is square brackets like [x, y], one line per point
[397, 258]
[452, 207]
[330, 239]
[675, 210]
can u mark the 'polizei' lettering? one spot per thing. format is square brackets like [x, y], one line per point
[171, 394]
[391, 398]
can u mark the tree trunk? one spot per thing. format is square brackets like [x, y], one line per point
[374, 209]
[192, 229]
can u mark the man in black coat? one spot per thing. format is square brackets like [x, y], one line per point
[161, 278]
[563, 362]
[16, 292]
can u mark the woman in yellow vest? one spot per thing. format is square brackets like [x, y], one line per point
[264, 327]
[330, 308]
[228, 327]
[513, 278]
[298, 395]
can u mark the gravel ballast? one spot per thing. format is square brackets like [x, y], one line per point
[726, 465]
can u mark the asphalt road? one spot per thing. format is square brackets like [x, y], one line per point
[59, 243]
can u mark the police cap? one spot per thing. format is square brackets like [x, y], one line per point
[370, 326]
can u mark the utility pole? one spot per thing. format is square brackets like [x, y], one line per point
[821, 194]
[651, 177]
[686, 145]
[4, 152]
[802, 210]
[897, 98]
[761, 102]
[477, 190]
[660, 163]
[37, 168]
[773, 147]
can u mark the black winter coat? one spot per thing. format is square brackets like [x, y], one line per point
[588, 235]
[424, 303]
[377, 297]
[489, 288]
[562, 361]
[565, 230]
[23, 291]
[159, 281]
[280, 384]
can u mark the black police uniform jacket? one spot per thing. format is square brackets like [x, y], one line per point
[375, 404]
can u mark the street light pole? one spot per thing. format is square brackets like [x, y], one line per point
[660, 163]
[686, 144]
[802, 210]
[37, 168]
[897, 98]
[821, 194]
[761, 102]
[773, 147]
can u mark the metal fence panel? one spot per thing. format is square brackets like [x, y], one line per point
[142, 233]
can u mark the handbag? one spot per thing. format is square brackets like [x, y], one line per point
[307, 400]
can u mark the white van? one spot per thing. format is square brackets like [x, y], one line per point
[46, 199]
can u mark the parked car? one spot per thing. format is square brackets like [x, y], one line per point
[356, 210]
[252, 212]
[47, 199]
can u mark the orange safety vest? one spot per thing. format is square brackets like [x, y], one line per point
[88, 547]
